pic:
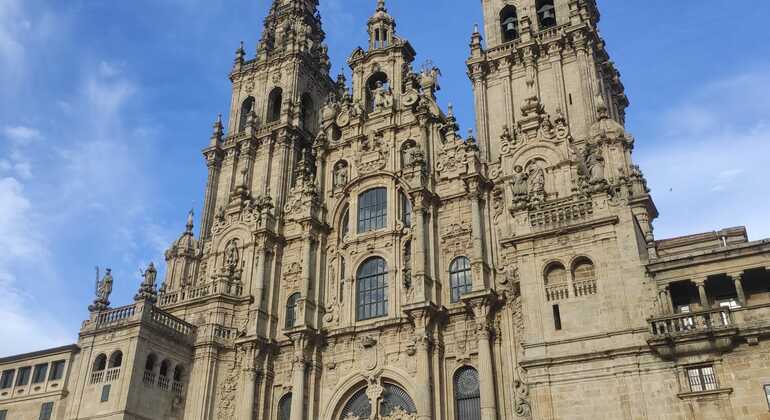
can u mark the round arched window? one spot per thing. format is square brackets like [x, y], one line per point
[372, 289]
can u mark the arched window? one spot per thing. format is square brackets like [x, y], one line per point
[555, 274]
[100, 363]
[377, 79]
[460, 278]
[406, 209]
[284, 407]
[372, 210]
[149, 365]
[246, 107]
[274, 102]
[393, 399]
[307, 113]
[291, 310]
[467, 395]
[546, 13]
[178, 373]
[584, 277]
[116, 359]
[509, 23]
[372, 289]
[357, 406]
[164, 366]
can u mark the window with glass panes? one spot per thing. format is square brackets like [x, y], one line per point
[6, 380]
[291, 311]
[3, 414]
[372, 210]
[46, 410]
[460, 279]
[467, 394]
[23, 376]
[38, 375]
[57, 370]
[372, 288]
[284, 408]
[767, 395]
[702, 379]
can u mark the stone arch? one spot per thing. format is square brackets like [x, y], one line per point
[555, 272]
[378, 76]
[100, 363]
[274, 104]
[543, 151]
[116, 359]
[247, 106]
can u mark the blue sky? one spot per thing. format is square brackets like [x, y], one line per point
[106, 106]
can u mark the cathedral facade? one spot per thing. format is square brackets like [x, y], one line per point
[361, 258]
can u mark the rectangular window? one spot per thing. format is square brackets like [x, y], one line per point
[6, 381]
[556, 317]
[105, 393]
[23, 376]
[702, 379]
[3, 413]
[57, 370]
[46, 410]
[39, 375]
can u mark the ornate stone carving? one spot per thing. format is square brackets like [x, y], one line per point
[522, 407]
[103, 292]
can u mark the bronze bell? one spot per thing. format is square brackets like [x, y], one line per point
[547, 12]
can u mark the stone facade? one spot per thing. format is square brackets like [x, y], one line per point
[359, 258]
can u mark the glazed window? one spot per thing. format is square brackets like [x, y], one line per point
[6, 380]
[284, 408]
[291, 311]
[460, 279]
[23, 376]
[372, 210]
[46, 410]
[467, 394]
[702, 379]
[38, 376]
[57, 370]
[372, 289]
[767, 395]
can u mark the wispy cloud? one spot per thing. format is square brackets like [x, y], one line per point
[708, 165]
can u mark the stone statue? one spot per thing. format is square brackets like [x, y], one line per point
[383, 97]
[231, 254]
[147, 288]
[104, 287]
[150, 274]
[537, 181]
[519, 183]
[340, 175]
[594, 164]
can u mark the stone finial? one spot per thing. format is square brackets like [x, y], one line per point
[189, 226]
[381, 6]
[218, 133]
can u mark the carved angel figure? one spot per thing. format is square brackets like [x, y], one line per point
[519, 183]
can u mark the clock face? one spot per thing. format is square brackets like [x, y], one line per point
[343, 119]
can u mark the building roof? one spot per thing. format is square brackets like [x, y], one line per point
[71, 348]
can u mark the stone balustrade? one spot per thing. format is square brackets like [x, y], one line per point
[214, 287]
[584, 288]
[115, 316]
[560, 213]
[691, 322]
[167, 320]
[557, 292]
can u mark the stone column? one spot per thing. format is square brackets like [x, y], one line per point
[423, 315]
[478, 256]
[300, 341]
[418, 246]
[482, 303]
[249, 390]
[213, 161]
[704, 300]
[738, 281]
[669, 300]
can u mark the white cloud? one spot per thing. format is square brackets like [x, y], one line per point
[21, 135]
[708, 167]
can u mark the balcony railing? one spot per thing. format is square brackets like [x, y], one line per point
[163, 382]
[112, 374]
[557, 292]
[167, 320]
[114, 316]
[215, 287]
[149, 377]
[560, 213]
[696, 322]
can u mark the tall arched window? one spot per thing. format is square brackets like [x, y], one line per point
[116, 359]
[555, 274]
[509, 23]
[284, 407]
[164, 367]
[246, 107]
[460, 278]
[100, 363]
[291, 311]
[372, 289]
[546, 13]
[178, 373]
[372, 210]
[274, 102]
[467, 395]
[357, 406]
[584, 277]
